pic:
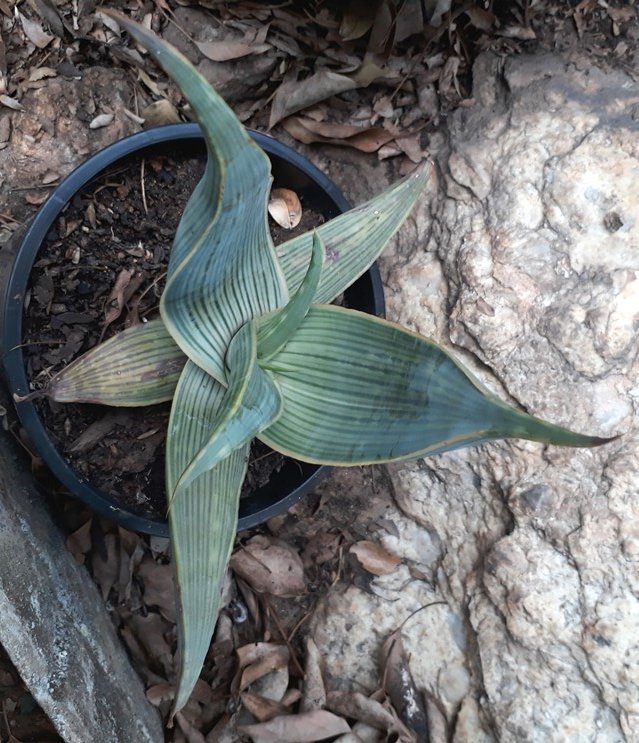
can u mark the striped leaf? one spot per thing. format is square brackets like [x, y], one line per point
[358, 390]
[354, 239]
[202, 519]
[138, 366]
[223, 270]
[275, 329]
[251, 403]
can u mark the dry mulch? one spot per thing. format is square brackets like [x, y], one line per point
[378, 77]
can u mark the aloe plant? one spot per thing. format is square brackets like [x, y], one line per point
[247, 346]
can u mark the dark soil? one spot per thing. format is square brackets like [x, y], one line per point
[124, 221]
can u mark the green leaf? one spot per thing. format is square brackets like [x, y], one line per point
[251, 403]
[358, 390]
[223, 270]
[274, 330]
[202, 520]
[138, 366]
[354, 239]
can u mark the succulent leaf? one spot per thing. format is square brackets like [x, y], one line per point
[354, 239]
[223, 269]
[275, 329]
[139, 366]
[358, 389]
[251, 402]
[202, 519]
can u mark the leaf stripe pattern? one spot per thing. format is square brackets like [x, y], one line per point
[252, 401]
[354, 239]
[202, 520]
[359, 390]
[138, 366]
[223, 270]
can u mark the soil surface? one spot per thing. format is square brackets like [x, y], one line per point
[102, 268]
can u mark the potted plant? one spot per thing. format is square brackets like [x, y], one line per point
[263, 355]
[294, 478]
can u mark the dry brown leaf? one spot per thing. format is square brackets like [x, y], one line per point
[398, 683]
[364, 139]
[517, 32]
[115, 302]
[95, 432]
[285, 207]
[260, 707]
[621, 15]
[159, 113]
[10, 102]
[482, 19]
[106, 571]
[259, 659]
[131, 553]
[47, 10]
[223, 732]
[368, 72]
[360, 707]
[320, 548]
[412, 148]
[304, 728]
[295, 95]
[34, 32]
[191, 733]
[374, 558]
[159, 693]
[270, 566]
[80, 542]
[358, 19]
[314, 696]
[227, 49]
[39, 73]
[150, 632]
[362, 733]
[159, 587]
[150, 83]
[272, 685]
[5, 128]
[36, 198]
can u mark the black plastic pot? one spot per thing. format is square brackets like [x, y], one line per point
[289, 168]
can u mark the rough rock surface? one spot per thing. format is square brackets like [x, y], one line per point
[53, 134]
[524, 258]
[55, 629]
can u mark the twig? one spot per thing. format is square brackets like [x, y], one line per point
[291, 650]
[144, 204]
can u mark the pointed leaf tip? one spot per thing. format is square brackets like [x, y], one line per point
[275, 329]
[358, 390]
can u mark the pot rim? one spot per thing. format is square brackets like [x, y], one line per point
[13, 358]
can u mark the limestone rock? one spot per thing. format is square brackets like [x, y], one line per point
[524, 260]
